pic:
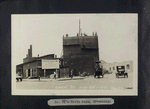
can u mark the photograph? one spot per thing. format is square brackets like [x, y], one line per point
[74, 54]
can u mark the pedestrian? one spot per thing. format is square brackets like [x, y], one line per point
[39, 77]
[79, 74]
[55, 74]
[71, 73]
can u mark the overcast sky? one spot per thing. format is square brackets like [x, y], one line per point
[117, 34]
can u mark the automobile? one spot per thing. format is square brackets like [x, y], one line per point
[98, 70]
[98, 73]
[121, 72]
[19, 77]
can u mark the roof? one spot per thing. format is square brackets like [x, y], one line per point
[86, 42]
[102, 61]
[19, 64]
[45, 56]
[37, 59]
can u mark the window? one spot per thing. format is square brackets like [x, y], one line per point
[128, 66]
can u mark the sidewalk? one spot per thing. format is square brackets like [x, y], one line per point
[49, 79]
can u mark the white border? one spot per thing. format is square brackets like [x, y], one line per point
[133, 92]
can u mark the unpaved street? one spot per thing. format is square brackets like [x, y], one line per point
[109, 82]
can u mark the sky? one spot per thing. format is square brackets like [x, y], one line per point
[117, 34]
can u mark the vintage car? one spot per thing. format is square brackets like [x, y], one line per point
[18, 77]
[121, 72]
[98, 73]
[98, 70]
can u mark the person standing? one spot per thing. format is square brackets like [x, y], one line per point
[39, 77]
[71, 73]
[55, 74]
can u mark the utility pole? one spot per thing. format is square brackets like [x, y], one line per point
[79, 27]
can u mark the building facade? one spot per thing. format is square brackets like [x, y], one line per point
[32, 66]
[113, 66]
[80, 53]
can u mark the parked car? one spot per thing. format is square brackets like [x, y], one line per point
[98, 73]
[121, 72]
[98, 70]
[19, 77]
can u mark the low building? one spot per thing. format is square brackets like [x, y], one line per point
[38, 66]
[113, 66]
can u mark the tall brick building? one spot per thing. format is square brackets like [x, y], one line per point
[81, 52]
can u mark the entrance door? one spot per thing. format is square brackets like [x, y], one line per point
[28, 72]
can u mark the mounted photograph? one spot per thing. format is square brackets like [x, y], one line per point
[74, 54]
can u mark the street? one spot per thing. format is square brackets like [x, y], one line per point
[108, 82]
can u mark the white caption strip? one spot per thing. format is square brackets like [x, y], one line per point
[82, 101]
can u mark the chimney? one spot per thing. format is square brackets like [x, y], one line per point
[66, 35]
[95, 33]
[30, 50]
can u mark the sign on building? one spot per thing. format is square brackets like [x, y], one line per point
[50, 64]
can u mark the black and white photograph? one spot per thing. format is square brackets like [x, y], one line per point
[74, 54]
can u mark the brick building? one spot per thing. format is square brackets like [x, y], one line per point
[80, 53]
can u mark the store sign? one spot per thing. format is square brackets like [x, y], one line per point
[50, 64]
